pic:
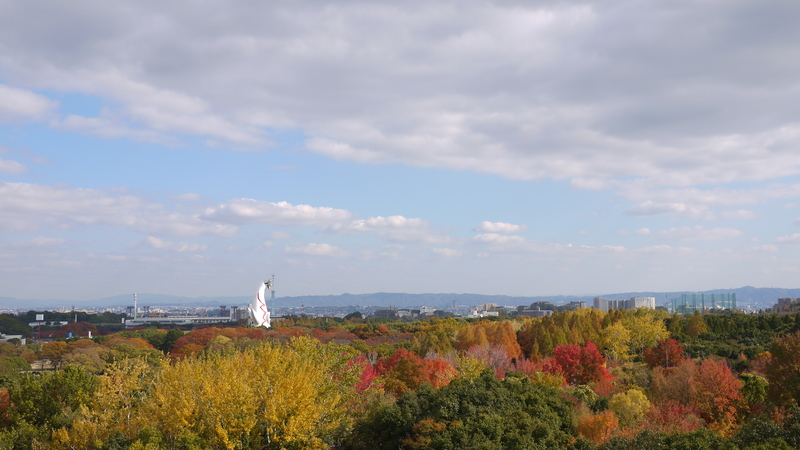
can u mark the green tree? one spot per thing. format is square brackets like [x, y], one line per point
[754, 389]
[10, 368]
[675, 326]
[170, 339]
[52, 399]
[697, 325]
[485, 413]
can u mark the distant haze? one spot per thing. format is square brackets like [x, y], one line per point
[758, 298]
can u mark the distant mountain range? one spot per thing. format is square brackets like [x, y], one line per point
[756, 298]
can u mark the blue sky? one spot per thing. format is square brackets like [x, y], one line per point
[469, 147]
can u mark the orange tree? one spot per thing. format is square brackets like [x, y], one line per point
[782, 370]
[404, 371]
[717, 395]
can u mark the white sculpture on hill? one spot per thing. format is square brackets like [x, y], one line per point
[259, 314]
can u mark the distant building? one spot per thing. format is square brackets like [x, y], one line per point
[177, 320]
[534, 312]
[48, 323]
[606, 305]
[786, 305]
[705, 303]
[486, 307]
[426, 310]
[8, 337]
[474, 313]
[574, 305]
[385, 313]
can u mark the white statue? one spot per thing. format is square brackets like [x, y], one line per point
[259, 314]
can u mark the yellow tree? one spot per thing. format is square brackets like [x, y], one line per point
[172, 406]
[615, 341]
[437, 337]
[114, 408]
[471, 336]
[469, 366]
[647, 328]
[630, 407]
[269, 396]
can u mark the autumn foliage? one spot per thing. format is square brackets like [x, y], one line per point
[405, 371]
[579, 365]
[717, 394]
[672, 417]
[443, 383]
[598, 428]
[668, 353]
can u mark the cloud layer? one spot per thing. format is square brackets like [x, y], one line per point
[682, 93]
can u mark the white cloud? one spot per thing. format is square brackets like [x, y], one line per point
[40, 241]
[316, 250]
[643, 231]
[108, 127]
[796, 221]
[377, 223]
[698, 233]
[499, 239]
[763, 249]
[448, 252]
[173, 246]
[11, 167]
[498, 227]
[743, 214]
[244, 210]
[656, 249]
[697, 203]
[650, 208]
[280, 235]
[394, 228]
[152, 114]
[188, 197]
[21, 105]
[793, 239]
[25, 207]
[470, 86]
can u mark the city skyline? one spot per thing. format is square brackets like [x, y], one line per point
[471, 147]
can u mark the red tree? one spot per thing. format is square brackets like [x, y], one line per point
[402, 372]
[672, 417]
[666, 354]
[369, 374]
[199, 338]
[580, 365]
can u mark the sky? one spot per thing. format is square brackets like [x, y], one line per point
[517, 148]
